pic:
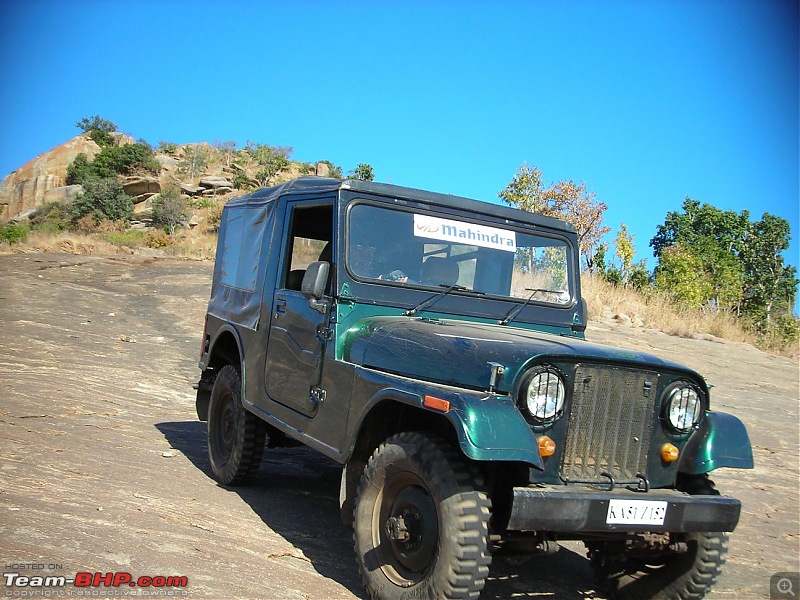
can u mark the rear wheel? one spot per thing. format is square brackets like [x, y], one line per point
[421, 522]
[687, 574]
[236, 437]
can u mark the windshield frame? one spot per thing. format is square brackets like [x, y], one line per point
[404, 294]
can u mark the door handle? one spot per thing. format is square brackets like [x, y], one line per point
[280, 306]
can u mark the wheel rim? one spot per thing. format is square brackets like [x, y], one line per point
[225, 430]
[406, 530]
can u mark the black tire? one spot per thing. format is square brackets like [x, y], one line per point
[421, 522]
[684, 576]
[236, 437]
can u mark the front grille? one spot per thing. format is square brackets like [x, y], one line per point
[610, 423]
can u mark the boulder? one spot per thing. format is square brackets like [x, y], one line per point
[215, 181]
[191, 189]
[217, 191]
[143, 198]
[323, 170]
[138, 185]
[23, 217]
[144, 205]
[64, 194]
[167, 162]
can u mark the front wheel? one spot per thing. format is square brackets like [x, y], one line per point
[421, 521]
[236, 437]
[685, 575]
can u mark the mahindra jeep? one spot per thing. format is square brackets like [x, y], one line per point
[434, 346]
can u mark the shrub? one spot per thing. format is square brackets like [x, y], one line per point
[79, 170]
[214, 216]
[363, 172]
[167, 147]
[53, 217]
[157, 238]
[169, 209]
[12, 233]
[99, 129]
[103, 199]
[86, 223]
[203, 203]
[109, 226]
[124, 160]
[242, 182]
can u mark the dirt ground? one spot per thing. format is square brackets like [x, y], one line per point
[104, 465]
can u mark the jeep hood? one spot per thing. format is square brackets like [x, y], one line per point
[457, 353]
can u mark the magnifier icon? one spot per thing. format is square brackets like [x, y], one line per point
[784, 586]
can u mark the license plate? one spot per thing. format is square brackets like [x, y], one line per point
[636, 512]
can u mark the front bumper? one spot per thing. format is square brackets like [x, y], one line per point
[569, 509]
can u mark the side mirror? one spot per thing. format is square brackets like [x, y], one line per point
[314, 282]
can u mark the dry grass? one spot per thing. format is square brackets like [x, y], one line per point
[627, 306]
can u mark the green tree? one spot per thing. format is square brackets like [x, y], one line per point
[639, 276]
[625, 251]
[169, 209]
[526, 191]
[681, 277]
[79, 170]
[700, 224]
[363, 172]
[99, 129]
[166, 147]
[194, 161]
[741, 261]
[565, 200]
[769, 284]
[103, 199]
[112, 161]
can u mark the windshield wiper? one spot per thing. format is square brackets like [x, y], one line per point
[512, 314]
[437, 296]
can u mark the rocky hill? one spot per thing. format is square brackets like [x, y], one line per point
[44, 179]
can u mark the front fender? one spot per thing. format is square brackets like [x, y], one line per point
[488, 427]
[492, 428]
[722, 441]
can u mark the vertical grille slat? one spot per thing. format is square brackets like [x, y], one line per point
[610, 423]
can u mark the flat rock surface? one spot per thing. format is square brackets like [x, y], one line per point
[104, 465]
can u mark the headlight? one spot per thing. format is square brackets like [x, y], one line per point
[684, 408]
[543, 397]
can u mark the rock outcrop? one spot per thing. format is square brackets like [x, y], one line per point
[199, 170]
[41, 180]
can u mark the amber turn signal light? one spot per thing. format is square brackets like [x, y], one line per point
[547, 447]
[669, 453]
[435, 403]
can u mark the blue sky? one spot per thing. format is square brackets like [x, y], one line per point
[646, 102]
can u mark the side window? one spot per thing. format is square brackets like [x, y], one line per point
[241, 251]
[308, 239]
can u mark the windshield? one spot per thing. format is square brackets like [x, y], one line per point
[421, 250]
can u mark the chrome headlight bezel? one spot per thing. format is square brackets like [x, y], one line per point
[542, 395]
[683, 407]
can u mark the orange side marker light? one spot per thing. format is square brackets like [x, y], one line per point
[435, 403]
[547, 447]
[669, 453]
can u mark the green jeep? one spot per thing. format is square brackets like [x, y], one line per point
[434, 346]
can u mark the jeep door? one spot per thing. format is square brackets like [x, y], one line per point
[296, 343]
